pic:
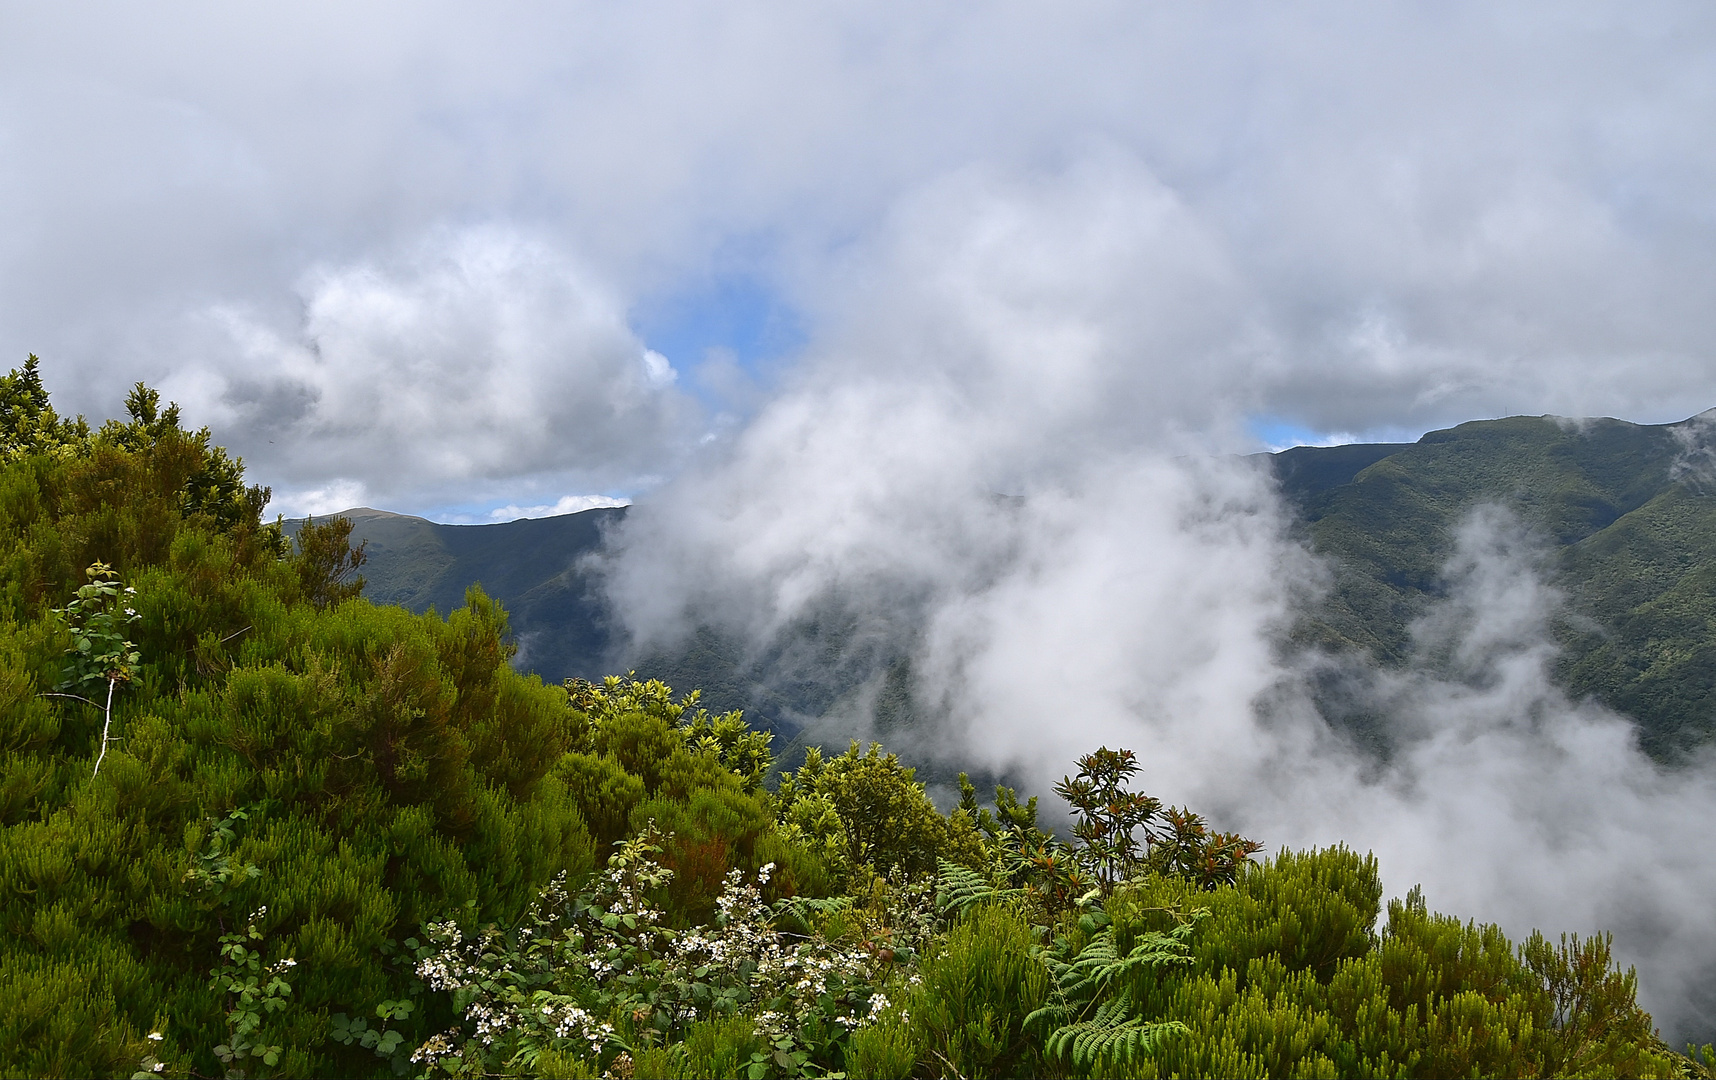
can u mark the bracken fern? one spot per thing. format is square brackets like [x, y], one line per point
[1087, 1025]
[1111, 1035]
[958, 888]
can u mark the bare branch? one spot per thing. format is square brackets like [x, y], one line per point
[106, 726]
[74, 697]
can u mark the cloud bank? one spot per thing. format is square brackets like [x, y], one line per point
[1392, 219]
[1019, 485]
[475, 356]
[1138, 601]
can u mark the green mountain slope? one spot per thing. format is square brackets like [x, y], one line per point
[531, 566]
[1630, 534]
[560, 620]
[1632, 542]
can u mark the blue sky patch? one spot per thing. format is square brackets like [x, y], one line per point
[738, 313]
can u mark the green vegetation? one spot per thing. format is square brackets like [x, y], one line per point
[540, 571]
[1625, 511]
[530, 566]
[334, 838]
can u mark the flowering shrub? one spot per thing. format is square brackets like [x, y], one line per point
[598, 975]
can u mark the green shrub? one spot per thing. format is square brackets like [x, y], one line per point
[964, 1013]
[867, 809]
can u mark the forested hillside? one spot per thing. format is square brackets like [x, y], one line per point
[252, 824]
[533, 566]
[1625, 514]
[540, 570]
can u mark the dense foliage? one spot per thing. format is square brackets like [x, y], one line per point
[1626, 516]
[252, 824]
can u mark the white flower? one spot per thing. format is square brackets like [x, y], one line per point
[438, 1046]
[156, 1036]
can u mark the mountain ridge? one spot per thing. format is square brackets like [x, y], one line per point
[1623, 511]
[534, 566]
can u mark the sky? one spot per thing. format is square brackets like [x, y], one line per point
[447, 260]
[812, 285]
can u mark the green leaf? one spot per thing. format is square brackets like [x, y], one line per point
[1092, 921]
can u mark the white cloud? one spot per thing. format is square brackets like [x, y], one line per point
[566, 504]
[330, 498]
[1422, 216]
[475, 356]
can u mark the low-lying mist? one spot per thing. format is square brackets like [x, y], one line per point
[1024, 484]
[1145, 604]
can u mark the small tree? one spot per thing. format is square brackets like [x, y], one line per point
[28, 424]
[1022, 854]
[327, 563]
[875, 809]
[1117, 833]
[100, 651]
[1110, 818]
[1189, 849]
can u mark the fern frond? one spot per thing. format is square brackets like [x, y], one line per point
[1048, 1018]
[806, 909]
[1112, 1034]
[1154, 950]
[959, 888]
[802, 905]
[1099, 963]
[1093, 968]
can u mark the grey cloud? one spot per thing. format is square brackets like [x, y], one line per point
[1424, 214]
[472, 356]
[269, 407]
